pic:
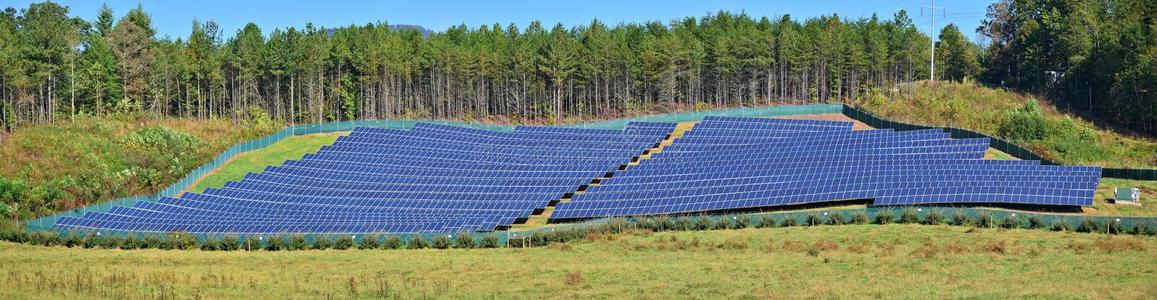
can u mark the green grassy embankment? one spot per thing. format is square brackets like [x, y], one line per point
[70, 164]
[881, 261]
[1045, 130]
[255, 161]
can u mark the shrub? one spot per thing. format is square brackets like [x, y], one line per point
[277, 243]
[789, 221]
[836, 219]
[211, 244]
[370, 242]
[298, 242]
[464, 240]
[1089, 225]
[489, 241]
[703, 223]
[666, 223]
[1061, 225]
[152, 241]
[685, 224]
[130, 243]
[1011, 221]
[1113, 227]
[74, 239]
[343, 242]
[181, 241]
[959, 218]
[884, 217]
[860, 218]
[934, 217]
[322, 242]
[909, 216]
[1035, 222]
[416, 242]
[986, 220]
[440, 242]
[393, 242]
[766, 221]
[743, 221]
[812, 219]
[1026, 123]
[1140, 228]
[111, 242]
[723, 222]
[230, 243]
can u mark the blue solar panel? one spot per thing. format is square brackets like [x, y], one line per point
[433, 178]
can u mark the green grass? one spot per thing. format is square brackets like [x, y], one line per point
[994, 154]
[1105, 192]
[982, 109]
[256, 161]
[879, 261]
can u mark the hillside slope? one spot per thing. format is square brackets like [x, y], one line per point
[48, 168]
[1017, 118]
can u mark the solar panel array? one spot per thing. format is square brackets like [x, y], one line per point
[432, 178]
[731, 163]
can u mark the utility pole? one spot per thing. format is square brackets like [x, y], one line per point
[932, 36]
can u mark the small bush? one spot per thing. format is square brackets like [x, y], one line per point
[1035, 222]
[440, 242]
[211, 244]
[230, 243]
[909, 216]
[860, 218]
[703, 223]
[322, 242]
[813, 219]
[394, 242]
[986, 220]
[152, 242]
[884, 217]
[490, 241]
[959, 218]
[724, 222]
[1061, 225]
[789, 221]
[343, 242]
[416, 242]
[1011, 221]
[666, 223]
[1089, 225]
[934, 217]
[766, 221]
[181, 241]
[836, 219]
[277, 243]
[685, 224]
[464, 240]
[1140, 228]
[298, 242]
[743, 221]
[130, 243]
[370, 242]
[1113, 227]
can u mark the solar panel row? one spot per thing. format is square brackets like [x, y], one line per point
[433, 178]
[728, 163]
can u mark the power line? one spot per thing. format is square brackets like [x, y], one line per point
[931, 34]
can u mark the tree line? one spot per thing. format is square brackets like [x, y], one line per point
[56, 67]
[1094, 57]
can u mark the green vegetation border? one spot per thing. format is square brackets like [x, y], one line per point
[46, 223]
[999, 144]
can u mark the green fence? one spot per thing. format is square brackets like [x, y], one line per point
[46, 223]
[999, 144]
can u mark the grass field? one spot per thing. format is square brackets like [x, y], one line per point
[255, 161]
[892, 261]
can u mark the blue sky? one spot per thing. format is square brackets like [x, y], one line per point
[174, 18]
